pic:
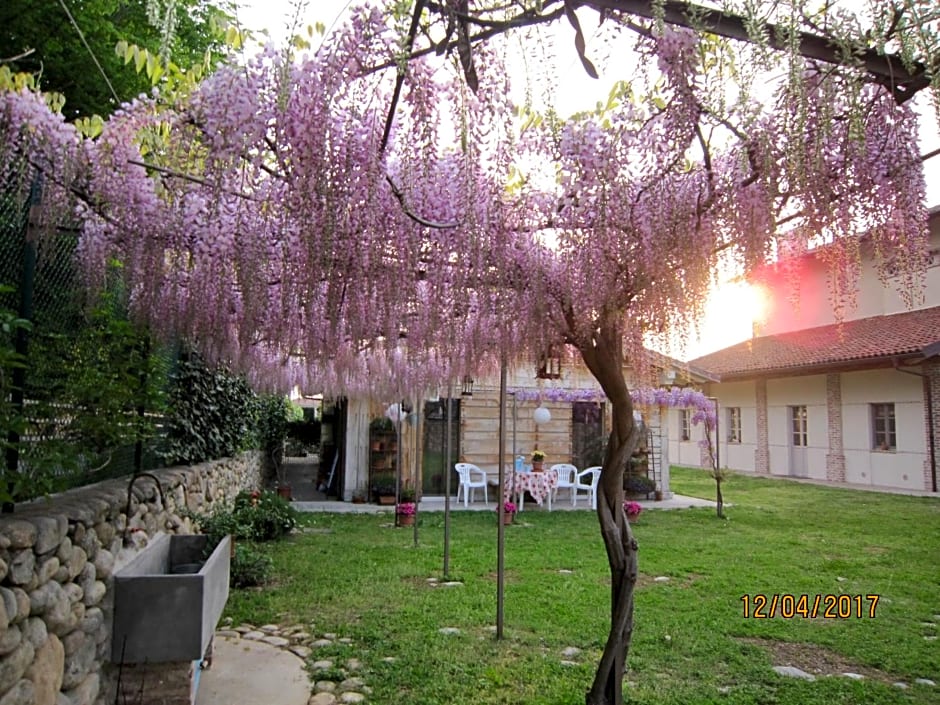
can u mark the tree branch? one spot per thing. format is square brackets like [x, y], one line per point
[400, 197]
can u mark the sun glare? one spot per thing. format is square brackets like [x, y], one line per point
[730, 314]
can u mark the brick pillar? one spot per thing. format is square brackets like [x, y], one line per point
[932, 393]
[762, 452]
[157, 684]
[835, 458]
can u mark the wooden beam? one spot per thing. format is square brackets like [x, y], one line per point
[886, 69]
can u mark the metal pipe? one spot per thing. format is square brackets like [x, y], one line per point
[447, 471]
[418, 462]
[501, 508]
[130, 487]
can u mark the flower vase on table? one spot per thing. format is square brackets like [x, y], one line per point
[538, 460]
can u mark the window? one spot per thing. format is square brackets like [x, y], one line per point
[685, 424]
[883, 433]
[734, 424]
[798, 426]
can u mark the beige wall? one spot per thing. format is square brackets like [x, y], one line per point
[797, 391]
[738, 455]
[800, 298]
[901, 468]
[479, 418]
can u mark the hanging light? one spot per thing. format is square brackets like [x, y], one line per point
[467, 390]
[395, 413]
[541, 415]
[549, 364]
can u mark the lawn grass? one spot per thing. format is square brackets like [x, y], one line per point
[359, 577]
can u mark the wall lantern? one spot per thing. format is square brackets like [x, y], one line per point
[549, 365]
[541, 415]
[467, 389]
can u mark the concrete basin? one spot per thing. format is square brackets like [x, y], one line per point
[168, 600]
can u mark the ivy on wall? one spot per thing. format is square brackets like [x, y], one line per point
[211, 413]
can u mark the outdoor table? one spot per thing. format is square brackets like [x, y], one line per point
[538, 484]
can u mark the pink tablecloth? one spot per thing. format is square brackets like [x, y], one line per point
[537, 484]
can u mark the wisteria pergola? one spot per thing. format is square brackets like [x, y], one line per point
[386, 214]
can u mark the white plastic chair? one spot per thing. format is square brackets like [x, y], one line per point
[468, 484]
[566, 474]
[586, 480]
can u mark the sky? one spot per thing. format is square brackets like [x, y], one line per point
[718, 329]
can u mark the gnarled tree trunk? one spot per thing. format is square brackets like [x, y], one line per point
[604, 358]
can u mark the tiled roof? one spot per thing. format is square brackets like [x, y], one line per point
[852, 343]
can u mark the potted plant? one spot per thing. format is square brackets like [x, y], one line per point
[384, 491]
[509, 512]
[379, 429]
[637, 486]
[639, 462]
[632, 510]
[359, 497]
[405, 513]
[538, 459]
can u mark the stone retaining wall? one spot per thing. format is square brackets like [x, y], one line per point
[57, 557]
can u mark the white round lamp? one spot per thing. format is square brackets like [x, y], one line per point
[541, 415]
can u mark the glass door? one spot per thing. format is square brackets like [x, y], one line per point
[798, 441]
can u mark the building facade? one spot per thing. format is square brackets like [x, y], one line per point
[576, 432]
[856, 401]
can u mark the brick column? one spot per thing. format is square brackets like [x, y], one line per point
[762, 452]
[932, 393]
[835, 458]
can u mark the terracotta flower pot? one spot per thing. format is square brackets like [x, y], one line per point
[537, 465]
[508, 518]
[406, 519]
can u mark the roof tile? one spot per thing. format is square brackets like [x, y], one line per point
[900, 334]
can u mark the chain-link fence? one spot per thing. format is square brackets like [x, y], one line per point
[81, 387]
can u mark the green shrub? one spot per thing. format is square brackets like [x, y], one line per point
[638, 484]
[268, 515]
[254, 516]
[249, 567]
[213, 413]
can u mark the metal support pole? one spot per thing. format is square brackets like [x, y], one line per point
[418, 465]
[447, 471]
[500, 528]
[512, 474]
[399, 459]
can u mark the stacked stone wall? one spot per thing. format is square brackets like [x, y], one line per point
[57, 558]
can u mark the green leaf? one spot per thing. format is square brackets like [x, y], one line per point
[140, 58]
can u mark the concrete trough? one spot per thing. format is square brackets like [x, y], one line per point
[168, 600]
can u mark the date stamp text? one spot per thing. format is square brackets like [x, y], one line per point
[787, 606]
